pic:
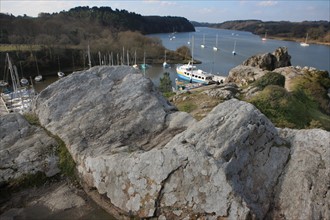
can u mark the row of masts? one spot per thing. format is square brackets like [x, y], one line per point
[18, 97]
[111, 59]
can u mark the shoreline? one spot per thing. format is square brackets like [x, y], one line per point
[298, 40]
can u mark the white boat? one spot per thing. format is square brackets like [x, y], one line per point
[60, 74]
[3, 83]
[135, 66]
[215, 48]
[305, 44]
[165, 64]
[265, 37]
[38, 78]
[234, 51]
[18, 99]
[203, 44]
[24, 81]
[189, 72]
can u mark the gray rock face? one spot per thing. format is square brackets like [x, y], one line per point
[152, 161]
[258, 65]
[224, 92]
[303, 191]
[25, 149]
[268, 61]
[243, 75]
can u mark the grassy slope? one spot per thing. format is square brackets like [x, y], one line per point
[307, 106]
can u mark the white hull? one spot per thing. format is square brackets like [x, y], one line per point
[38, 78]
[303, 44]
[60, 74]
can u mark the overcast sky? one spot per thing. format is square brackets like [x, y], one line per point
[215, 11]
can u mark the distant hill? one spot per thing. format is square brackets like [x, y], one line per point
[83, 23]
[59, 41]
[318, 31]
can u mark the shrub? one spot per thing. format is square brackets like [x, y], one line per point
[32, 118]
[165, 83]
[187, 107]
[292, 110]
[270, 78]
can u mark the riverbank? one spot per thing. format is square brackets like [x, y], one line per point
[298, 40]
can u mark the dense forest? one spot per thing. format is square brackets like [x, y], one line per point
[318, 31]
[60, 40]
[83, 23]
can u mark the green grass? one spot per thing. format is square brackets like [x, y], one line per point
[66, 163]
[292, 110]
[187, 106]
[32, 119]
[19, 47]
[270, 78]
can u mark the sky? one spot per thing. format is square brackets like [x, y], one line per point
[215, 11]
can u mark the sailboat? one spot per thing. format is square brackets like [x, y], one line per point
[189, 72]
[135, 66]
[203, 44]
[38, 78]
[234, 51]
[215, 48]
[305, 44]
[59, 73]
[165, 65]
[144, 66]
[265, 37]
[23, 80]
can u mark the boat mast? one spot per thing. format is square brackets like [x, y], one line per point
[89, 57]
[192, 50]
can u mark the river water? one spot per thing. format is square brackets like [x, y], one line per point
[247, 44]
[222, 61]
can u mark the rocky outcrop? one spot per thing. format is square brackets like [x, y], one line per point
[258, 65]
[303, 191]
[57, 200]
[152, 161]
[224, 92]
[243, 75]
[25, 149]
[270, 61]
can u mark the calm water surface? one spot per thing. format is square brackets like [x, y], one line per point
[222, 61]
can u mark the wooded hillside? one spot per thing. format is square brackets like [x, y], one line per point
[318, 31]
[83, 23]
[60, 40]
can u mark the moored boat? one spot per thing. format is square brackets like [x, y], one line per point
[24, 81]
[60, 74]
[165, 64]
[305, 44]
[190, 73]
[38, 78]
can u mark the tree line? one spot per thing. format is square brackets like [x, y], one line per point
[60, 40]
[318, 31]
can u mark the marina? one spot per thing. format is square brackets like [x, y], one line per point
[219, 62]
[17, 95]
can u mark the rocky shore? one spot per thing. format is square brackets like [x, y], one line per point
[138, 156]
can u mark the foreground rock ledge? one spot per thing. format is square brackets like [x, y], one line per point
[152, 161]
[25, 149]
